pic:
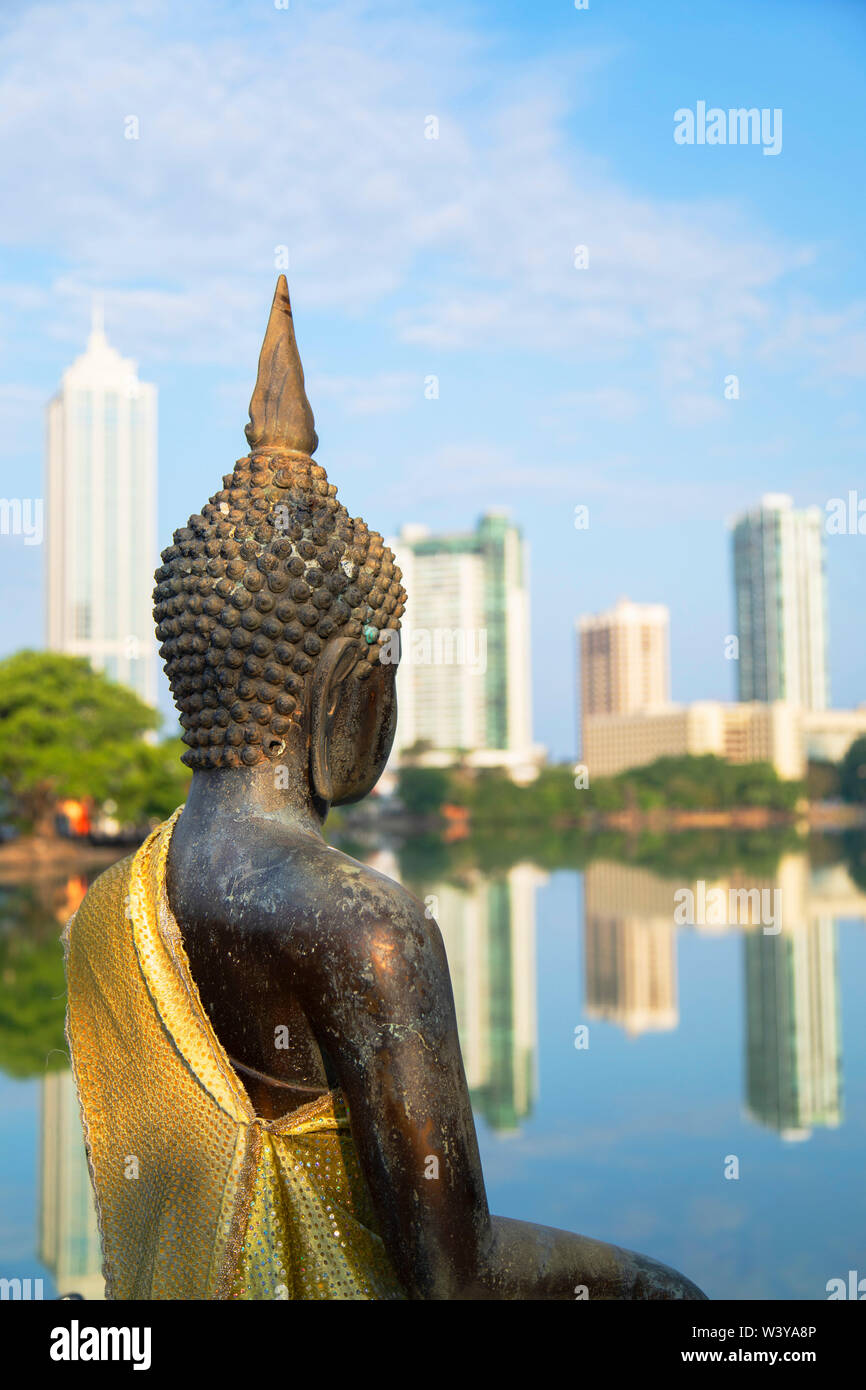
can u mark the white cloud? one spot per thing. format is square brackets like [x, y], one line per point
[692, 408]
[383, 393]
[606, 403]
[306, 129]
[833, 343]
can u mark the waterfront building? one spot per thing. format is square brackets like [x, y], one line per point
[464, 681]
[740, 733]
[781, 604]
[624, 660]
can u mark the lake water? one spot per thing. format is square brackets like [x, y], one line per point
[694, 1090]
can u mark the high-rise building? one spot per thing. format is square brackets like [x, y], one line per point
[781, 604]
[624, 660]
[463, 685]
[101, 516]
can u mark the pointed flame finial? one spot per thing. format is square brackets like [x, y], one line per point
[280, 414]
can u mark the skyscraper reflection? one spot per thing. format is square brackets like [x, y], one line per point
[488, 927]
[793, 1062]
[629, 948]
[793, 1052]
[68, 1231]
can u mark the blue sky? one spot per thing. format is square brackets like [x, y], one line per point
[407, 257]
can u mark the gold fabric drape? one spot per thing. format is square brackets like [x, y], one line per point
[198, 1197]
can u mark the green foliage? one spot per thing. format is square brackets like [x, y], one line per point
[605, 795]
[708, 783]
[423, 790]
[68, 731]
[852, 772]
[823, 782]
[705, 783]
[32, 988]
[424, 857]
[678, 854]
[152, 783]
[700, 853]
[854, 852]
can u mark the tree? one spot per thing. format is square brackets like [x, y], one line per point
[33, 997]
[152, 781]
[68, 731]
[852, 773]
[822, 780]
[422, 790]
[854, 842]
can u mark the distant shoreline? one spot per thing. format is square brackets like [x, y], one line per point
[54, 854]
[815, 816]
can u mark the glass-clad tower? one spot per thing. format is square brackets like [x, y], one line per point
[463, 685]
[781, 604]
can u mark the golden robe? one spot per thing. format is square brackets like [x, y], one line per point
[196, 1196]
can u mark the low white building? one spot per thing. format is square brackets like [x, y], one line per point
[779, 733]
[829, 733]
[740, 733]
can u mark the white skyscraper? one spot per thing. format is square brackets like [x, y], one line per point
[463, 686]
[101, 516]
[781, 603]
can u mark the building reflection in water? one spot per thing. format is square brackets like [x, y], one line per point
[488, 925]
[793, 1055]
[792, 1011]
[68, 1232]
[793, 1060]
[489, 934]
[629, 942]
[793, 1049]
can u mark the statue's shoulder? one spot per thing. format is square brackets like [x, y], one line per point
[350, 886]
[352, 909]
[361, 935]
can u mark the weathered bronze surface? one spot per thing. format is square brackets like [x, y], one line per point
[282, 930]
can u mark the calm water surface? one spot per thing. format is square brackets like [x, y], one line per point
[620, 1066]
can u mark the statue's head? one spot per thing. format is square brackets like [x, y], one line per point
[274, 606]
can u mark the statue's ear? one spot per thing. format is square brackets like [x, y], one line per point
[333, 666]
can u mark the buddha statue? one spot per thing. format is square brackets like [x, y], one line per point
[262, 1029]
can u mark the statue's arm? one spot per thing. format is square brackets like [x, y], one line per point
[383, 1009]
[392, 1036]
